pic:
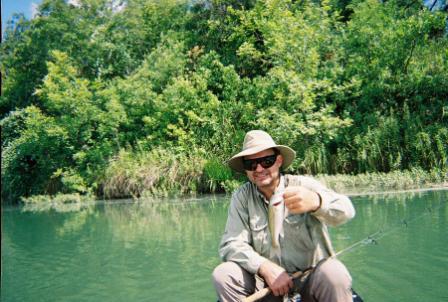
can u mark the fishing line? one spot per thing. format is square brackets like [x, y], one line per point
[358, 243]
[374, 237]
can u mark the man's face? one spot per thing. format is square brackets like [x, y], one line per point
[265, 177]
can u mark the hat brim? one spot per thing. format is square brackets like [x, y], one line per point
[236, 162]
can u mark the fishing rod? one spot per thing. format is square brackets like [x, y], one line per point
[370, 239]
[300, 274]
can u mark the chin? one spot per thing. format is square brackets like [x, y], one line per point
[264, 182]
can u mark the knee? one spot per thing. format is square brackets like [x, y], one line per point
[334, 274]
[221, 273]
[232, 282]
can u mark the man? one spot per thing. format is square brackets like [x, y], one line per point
[258, 255]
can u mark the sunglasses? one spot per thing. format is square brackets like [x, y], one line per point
[265, 162]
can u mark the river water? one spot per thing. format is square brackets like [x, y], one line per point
[165, 251]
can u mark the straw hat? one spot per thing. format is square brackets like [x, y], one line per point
[256, 141]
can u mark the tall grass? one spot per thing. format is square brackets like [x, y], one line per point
[163, 173]
[395, 180]
[158, 172]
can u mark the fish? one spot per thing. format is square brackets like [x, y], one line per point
[276, 217]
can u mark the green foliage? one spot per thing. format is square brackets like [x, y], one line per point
[216, 174]
[24, 62]
[29, 161]
[393, 62]
[90, 115]
[13, 125]
[155, 97]
[398, 53]
[159, 172]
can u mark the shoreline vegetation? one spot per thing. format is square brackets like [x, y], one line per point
[352, 185]
[368, 183]
[150, 98]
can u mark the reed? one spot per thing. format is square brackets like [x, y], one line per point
[395, 180]
[158, 172]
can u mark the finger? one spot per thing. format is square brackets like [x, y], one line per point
[285, 290]
[288, 195]
[290, 205]
[296, 209]
[296, 196]
[290, 283]
[293, 205]
[293, 199]
[289, 202]
[278, 291]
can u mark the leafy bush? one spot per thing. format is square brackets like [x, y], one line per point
[29, 161]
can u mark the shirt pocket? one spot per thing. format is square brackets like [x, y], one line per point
[297, 233]
[260, 238]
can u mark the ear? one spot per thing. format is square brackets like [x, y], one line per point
[279, 160]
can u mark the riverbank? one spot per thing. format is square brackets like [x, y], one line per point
[142, 174]
[368, 183]
[361, 184]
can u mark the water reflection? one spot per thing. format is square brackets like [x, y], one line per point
[75, 223]
[165, 222]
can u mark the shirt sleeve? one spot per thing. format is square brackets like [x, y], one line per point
[335, 209]
[236, 242]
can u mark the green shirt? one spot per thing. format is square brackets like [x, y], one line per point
[247, 241]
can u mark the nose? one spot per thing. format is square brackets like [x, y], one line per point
[259, 168]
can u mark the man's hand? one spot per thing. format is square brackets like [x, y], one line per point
[276, 277]
[300, 200]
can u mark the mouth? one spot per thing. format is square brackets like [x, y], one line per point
[261, 176]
